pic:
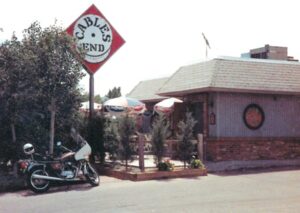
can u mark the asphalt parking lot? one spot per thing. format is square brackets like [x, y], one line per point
[272, 190]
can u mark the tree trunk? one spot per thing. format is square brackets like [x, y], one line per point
[52, 129]
[13, 132]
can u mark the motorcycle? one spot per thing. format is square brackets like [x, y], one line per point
[70, 166]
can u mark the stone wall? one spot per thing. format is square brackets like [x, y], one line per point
[252, 149]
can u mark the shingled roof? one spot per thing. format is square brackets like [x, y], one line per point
[235, 75]
[146, 90]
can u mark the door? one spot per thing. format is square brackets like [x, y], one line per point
[197, 111]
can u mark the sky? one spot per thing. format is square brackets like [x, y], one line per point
[163, 35]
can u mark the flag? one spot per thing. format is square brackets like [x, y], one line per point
[206, 41]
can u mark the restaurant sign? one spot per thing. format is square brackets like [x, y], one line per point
[96, 37]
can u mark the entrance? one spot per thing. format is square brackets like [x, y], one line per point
[196, 109]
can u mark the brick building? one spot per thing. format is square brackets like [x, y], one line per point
[246, 109]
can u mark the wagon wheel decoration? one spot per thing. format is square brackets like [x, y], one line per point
[253, 116]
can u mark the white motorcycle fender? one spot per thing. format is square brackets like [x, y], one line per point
[83, 153]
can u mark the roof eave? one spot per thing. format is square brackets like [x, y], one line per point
[152, 100]
[233, 90]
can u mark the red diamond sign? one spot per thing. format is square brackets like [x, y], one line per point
[96, 36]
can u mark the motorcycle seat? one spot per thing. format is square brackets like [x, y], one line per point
[66, 155]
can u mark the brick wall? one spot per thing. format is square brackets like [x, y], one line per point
[252, 149]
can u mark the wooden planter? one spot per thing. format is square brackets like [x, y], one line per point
[155, 174]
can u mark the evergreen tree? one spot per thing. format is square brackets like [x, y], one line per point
[159, 134]
[112, 138]
[98, 99]
[114, 93]
[126, 131]
[85, 97]
[95, 136]
[185, 137]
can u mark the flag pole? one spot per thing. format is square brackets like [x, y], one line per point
[206, 45]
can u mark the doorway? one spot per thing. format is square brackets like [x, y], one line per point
[196, 108]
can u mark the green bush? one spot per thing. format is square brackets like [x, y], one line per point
[160, 131]
[197, 164]
[126, 128]
[165, 166]
[112, 138]
[93, 131]
[185, 137]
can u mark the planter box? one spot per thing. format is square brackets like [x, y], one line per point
[154, 174]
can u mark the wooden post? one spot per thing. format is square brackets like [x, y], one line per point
[200, 146]
[141, 140]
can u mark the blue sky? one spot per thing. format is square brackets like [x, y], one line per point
[162, 35]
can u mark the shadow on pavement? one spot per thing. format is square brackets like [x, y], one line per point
[60, 187]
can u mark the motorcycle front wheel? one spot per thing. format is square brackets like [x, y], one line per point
[38, 185]
[92, 175]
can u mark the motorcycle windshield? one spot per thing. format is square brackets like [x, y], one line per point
[84, 152]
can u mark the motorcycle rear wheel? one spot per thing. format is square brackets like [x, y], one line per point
[92, 175]
[38, 185]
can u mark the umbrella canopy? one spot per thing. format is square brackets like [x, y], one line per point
[86, 106]
[166, 105]
[122, 104]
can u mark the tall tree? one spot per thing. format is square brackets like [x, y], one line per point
[114, 93]
[185, 137]
[126, 131]
[56, 67]
[160, 131]
[85, 97]
[14, 82]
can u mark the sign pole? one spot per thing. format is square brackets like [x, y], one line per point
[91, 94]
[97, 37]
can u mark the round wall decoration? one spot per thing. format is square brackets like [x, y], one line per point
[253, 116]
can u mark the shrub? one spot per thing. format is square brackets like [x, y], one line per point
[93, 131]
[165, 166]
[185, 137]
[159, 134]
[112, 139]
[196, 164]
[126, 131]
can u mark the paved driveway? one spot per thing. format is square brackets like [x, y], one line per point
[272, 191]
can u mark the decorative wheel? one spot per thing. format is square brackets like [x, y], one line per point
[253, 116]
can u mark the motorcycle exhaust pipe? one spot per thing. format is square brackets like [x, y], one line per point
[52, 178]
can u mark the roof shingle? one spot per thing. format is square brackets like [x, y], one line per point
[235, 74]
[147, 90]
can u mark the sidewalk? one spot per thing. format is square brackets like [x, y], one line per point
[255, 164]
[223, 166]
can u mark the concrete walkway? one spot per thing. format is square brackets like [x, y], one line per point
[227, 165]
[255, 164]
